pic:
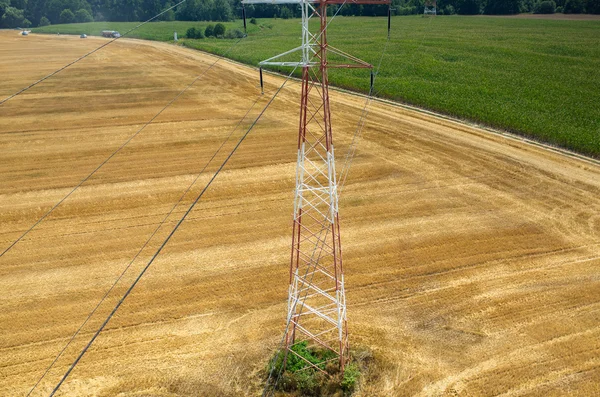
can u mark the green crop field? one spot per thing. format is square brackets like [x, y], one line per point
[537, 78]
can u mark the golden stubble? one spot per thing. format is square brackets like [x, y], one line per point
[471, 258]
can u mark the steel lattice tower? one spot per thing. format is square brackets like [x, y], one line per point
[316, 301]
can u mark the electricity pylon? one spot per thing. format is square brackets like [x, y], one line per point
[317, 301]
[430, 7]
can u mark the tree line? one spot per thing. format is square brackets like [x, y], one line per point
[28, 13]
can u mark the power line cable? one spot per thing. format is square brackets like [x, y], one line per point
[143, 247]
[88, 54]
[358, 132]
[426, 30]
[118, 305]
[360, 125]
[119, 149]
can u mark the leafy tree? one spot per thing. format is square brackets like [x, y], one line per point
[169, 15]
[14, 18]
[468, 7]
[286, 13]
[149, 8]
[4, 4]
[44, 22]
[593, 6]
[19, 4]
[574, 7]
[124, 10]
[83, 16]
[67, 16]
[449, 10]
[54, 8]
[225, 10]
[526, 6]
[219, 30]
[35, 10]
[209, 31]
[502, 7]
[545, 7]
[188, 11]
[221, 11]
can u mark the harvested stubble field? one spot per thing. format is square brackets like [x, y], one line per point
[472, 259]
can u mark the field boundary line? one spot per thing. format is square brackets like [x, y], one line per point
[483, 128]
[464, 122]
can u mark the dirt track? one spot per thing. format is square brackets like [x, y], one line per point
[472, 260]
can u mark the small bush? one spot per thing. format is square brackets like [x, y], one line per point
[350, 377]
[234, 34]
[219, 30]
[209, 31]
[300, 379]
[253, 21]
[44, 22]
[545, 7]
[308, 384]
[193, 33]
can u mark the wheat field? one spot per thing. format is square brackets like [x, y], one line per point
[472, 259]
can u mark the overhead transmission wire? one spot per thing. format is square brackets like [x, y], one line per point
[161, 223]
[372, 95]
[361, 124]
[88, 54]
[165, 242]
[219, 58]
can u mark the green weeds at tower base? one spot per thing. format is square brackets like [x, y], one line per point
[301, 379]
